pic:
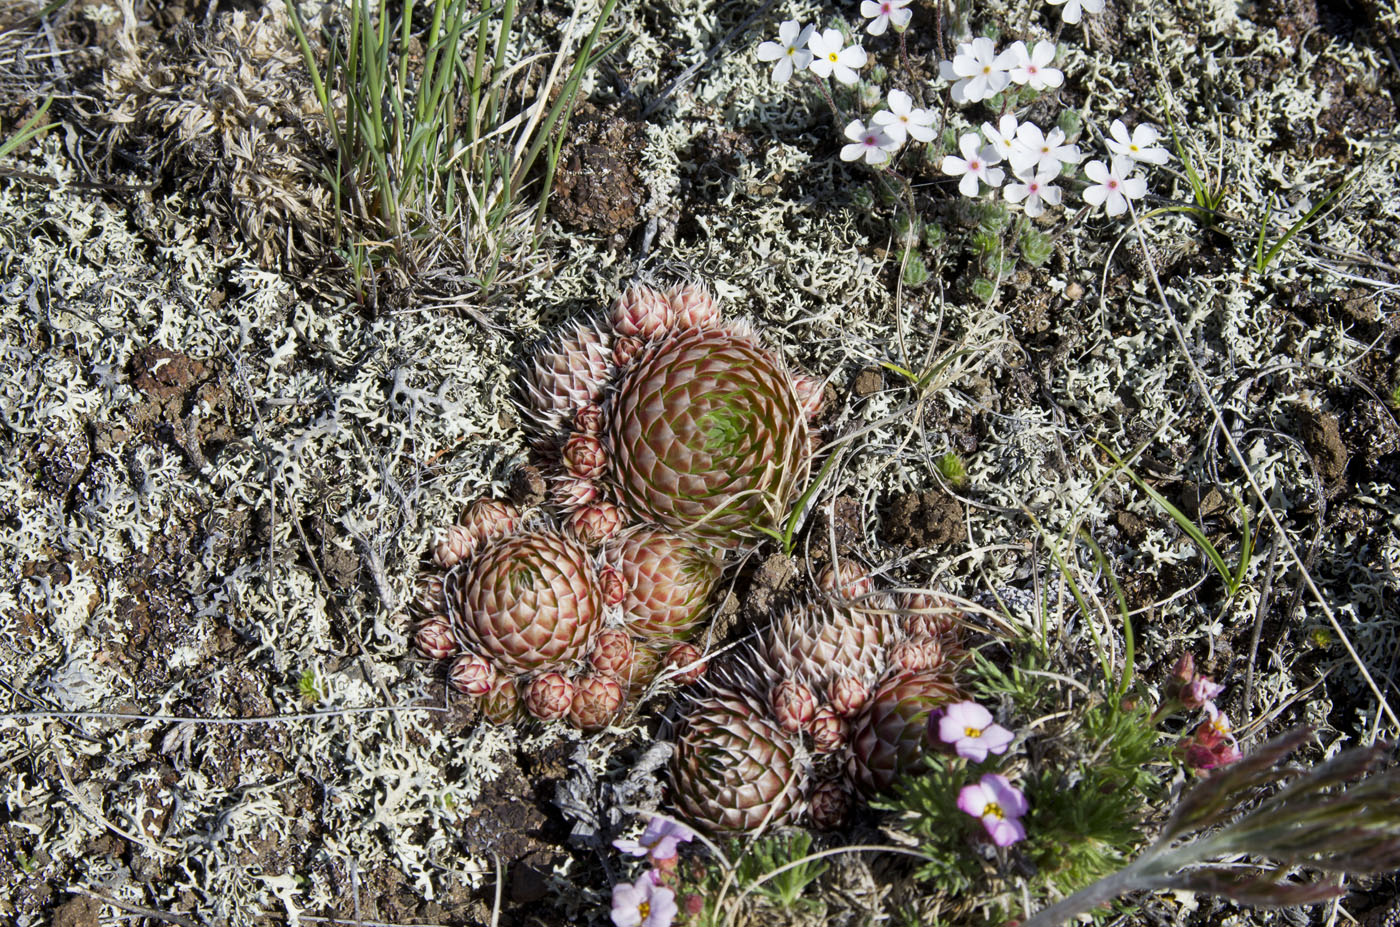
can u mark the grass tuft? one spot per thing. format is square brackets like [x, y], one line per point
[447, 145]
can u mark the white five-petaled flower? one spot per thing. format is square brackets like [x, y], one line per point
[1036, 190]
[884, 13]
[829, 58]
[1033, 66]
[1036, 151]
[789, 52]
[1113, 185]
[1002, 136]
[975, 165]
[1140, 146]
[903, 119]
[979, 71]
[1074, 8]
[871, 143]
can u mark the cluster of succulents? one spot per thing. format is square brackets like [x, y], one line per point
[667, 436]
[830, 702]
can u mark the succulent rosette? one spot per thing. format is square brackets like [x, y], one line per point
[668, 581]
[564, 375]
[528, 602]
[706, 436]
[819, 643]
[734, 769]
[887, 737]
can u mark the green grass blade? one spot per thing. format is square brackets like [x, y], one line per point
[31, 129]
[1259, 262]
[1307, 217]
[1178, 516]
[1128, 648]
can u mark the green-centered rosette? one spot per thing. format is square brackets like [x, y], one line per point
[707, 437]
[734, 769]
[528, 602]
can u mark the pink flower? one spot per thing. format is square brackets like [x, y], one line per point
[975, 165]
[1213, 743]
[969, 728]
[643, 904]
[1033, 66]
[659, 840]
[1200, 691]
[1036, 190]
[872, 143]
[999, 804]
[884, 13]
[1113, 187]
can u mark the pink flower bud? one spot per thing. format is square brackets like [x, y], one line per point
[1199, 691]
[686, 660]
[693, 306]
[847, 695]
[613, 585]
[434, 638]
[453, 545]
[471, 675]
[548, 696]
[641, 312]
[829, 730]
[584, 457]
[596, 701]
[593, 524]
[794, 705]
[612, 652]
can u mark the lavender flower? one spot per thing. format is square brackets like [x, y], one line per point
[659, 841]
[644, 903]
[999, 804]
[969, 728]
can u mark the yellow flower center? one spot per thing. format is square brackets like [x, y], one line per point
[972, 732]
[791, 51]
[644, 909]
[994, 810]
[832, 57]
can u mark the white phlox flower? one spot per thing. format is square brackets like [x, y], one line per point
[1075, 8]
[1002, 136]
[1036, 190]
[870, 143]
[790, 52]
[975, 165]
[1034, 150]
[884, 13]
[1113, 185]
[830, 59]
[1033, 66]
[903, 120]
[979, 70]
[1140, 146]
